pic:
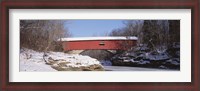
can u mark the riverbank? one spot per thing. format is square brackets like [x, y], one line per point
[126, 68]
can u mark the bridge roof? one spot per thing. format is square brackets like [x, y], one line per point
[98, 38]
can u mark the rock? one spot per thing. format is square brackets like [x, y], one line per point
[163, 67]
[157, 56]
[144, 62]
[84, 68]
[174, 61]
[106, 63]
[142, 57]
[62, 66]
[141, 48]
[176, 45]
[174, 50]
[178, 54]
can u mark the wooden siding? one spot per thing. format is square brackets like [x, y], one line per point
[99, 44]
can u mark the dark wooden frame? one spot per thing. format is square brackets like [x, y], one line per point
[100, 4]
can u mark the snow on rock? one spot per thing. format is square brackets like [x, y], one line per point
[141, 56]
[163, 67]
[106, 62]
[144, 62]
[33, 61]
[158, 56]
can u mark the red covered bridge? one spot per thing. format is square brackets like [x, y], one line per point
[98, 43]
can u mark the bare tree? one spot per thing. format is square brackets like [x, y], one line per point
[155, 33]
[132, 28]
[32, 33]
[174, 31]
[40, 34]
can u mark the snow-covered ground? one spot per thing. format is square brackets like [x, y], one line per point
[31, 60]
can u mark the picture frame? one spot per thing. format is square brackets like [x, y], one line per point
[103, 4]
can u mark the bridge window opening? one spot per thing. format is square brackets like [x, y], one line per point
[102, 43]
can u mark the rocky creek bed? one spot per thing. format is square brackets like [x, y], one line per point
[142, 57]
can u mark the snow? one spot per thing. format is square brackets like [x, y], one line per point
[31, 60]
[98, 38]
[34, 63]
[174, 61]
[128, 60]
[34, 66]
[106, 62]
[163, 67]
[160, 56]
[144, 62]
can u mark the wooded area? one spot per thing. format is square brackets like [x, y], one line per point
[156, 34]
[42, 35]
[158, 44]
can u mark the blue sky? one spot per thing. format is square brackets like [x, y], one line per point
[88, 28]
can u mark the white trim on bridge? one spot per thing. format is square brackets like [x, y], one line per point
[98, 38]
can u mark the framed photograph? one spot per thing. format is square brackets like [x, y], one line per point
[100, 45]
